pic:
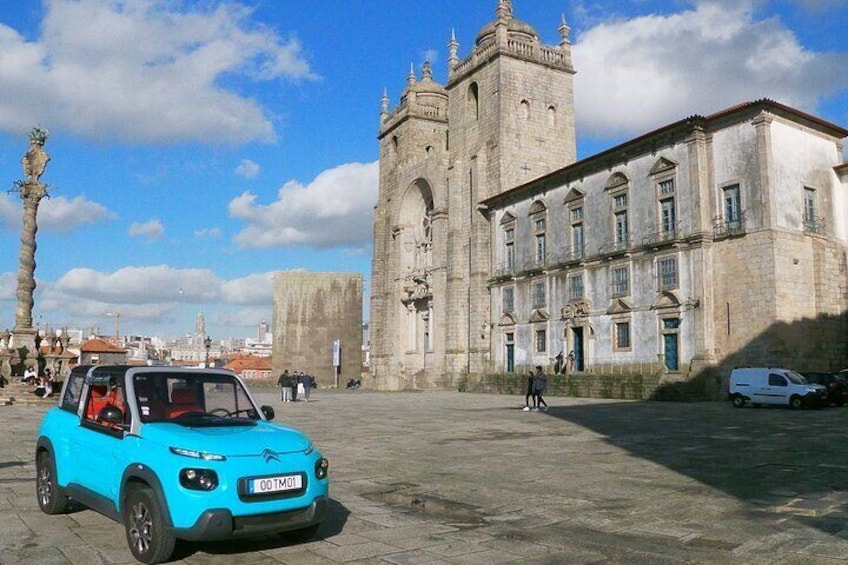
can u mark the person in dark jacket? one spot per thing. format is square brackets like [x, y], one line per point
[540, 386]
[285, 382]
[531, 393]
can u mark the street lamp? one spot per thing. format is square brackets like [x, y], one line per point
[208, 343]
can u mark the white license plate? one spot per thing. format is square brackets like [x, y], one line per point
[282, 483]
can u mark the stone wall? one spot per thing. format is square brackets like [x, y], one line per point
[311, 311]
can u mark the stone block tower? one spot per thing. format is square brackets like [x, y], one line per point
[505, 117]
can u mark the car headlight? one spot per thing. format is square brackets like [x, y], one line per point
[197, 454]
[199, 479]
[322, 467]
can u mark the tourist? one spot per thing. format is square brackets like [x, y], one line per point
[30, 376]
[530, 393]
[301, 389]
[307, 381]
[295, 380]
[540, 385]
[285, 382]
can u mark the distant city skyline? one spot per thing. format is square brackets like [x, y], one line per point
[200, 147]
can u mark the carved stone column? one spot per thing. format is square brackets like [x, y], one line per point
[32, 191]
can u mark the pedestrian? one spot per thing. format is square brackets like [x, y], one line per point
[559, 365]
[284, 382]
[571, 361]
[531, 393]
[307, 381]
[301, 389]
[30, 376]
[295, 380]
[540, 385]
[48, 382]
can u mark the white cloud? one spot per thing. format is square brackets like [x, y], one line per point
[143, 70]
[247, 169]
[151, 229]
[211, 233]
[701, 60]
[54, 214]
[334, 210]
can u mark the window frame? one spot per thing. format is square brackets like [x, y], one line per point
[663, 284]
[615, 284]
[618, 337]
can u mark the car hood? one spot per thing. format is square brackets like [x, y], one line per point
[240, 441]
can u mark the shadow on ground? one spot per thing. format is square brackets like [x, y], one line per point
[776, 460]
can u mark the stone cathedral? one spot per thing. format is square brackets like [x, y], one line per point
[713, 241]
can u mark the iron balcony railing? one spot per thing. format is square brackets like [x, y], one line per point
[723, 227]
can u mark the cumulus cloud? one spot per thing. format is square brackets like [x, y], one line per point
[58, 214]
[712, 56]
[334, 210]
[162, 284]
[211, 233]
[151, 229]
[144, 70]
[247, 169]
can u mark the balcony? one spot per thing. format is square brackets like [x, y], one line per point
[663, 237]
[727, 228]
[504, 270]
[814, 225]
[616, 246]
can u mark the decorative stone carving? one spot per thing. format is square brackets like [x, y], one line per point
[577, 309]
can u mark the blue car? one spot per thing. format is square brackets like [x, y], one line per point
[175, 453]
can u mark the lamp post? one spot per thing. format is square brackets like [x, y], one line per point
[208, 343]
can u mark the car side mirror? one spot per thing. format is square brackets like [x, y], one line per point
[268, 411]
[111, 415]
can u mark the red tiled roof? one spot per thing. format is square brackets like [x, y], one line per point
[100, 346]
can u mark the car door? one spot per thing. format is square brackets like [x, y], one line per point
[778, 389]
[99, 445]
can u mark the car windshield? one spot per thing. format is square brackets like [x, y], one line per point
[796, 378]
[193, 399]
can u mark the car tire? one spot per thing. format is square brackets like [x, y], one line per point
[303, 535]
[147, 537]
[738, 401]
[51, 500]
[796, 402]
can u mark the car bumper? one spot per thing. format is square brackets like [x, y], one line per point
[220, 524]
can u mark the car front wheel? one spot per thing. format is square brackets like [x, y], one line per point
[50, 498]
[796, 402]
[148, 538]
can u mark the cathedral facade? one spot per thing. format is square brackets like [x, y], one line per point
[715, 240]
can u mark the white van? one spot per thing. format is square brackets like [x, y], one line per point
[772, 385]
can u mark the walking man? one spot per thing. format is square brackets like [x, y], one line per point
[307, 380]
[540, 385]
[530, 393]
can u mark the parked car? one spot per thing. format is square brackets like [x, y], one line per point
[177, 453]
[773, 385]
[837, 389]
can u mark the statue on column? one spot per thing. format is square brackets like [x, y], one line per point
[32, 191]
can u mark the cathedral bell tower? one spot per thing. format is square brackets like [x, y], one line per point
[505, 117]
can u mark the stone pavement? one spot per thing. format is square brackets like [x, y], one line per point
[461, 478]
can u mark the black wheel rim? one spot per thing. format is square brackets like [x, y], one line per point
[45, 484]
[140, 528]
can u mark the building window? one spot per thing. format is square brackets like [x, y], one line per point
[812, 223]
[620, 281]
[539, 294]
[667, 273]
[667, 187]
[474, 100]
[622, 335]
[622, 230]
[539, 229]
[509, 238]
[541, 341]
[668, 218]
[732, 205]
[620, 201]
[575, 287]
[508, 299]
[577, 232]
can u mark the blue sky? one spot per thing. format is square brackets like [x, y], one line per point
[199, 147]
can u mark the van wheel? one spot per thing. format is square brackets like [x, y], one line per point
[738, 401]
[796, 402]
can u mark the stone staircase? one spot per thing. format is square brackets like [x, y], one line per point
[16, 392]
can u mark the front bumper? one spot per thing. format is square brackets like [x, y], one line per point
[220, 524]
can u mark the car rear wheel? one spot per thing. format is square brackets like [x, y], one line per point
[148, 538]
[738, 401]
[50, 497]
[796, 402]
